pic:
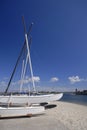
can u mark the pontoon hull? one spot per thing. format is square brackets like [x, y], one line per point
[20, 111]
[25, 99]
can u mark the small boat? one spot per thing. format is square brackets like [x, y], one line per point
[21, 111]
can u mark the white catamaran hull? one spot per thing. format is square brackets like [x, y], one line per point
[25, 99]
[20, 111]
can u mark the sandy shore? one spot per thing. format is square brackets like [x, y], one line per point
[66, 116]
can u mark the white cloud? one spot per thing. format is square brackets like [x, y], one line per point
[27, 80]
[36, 78]
[54, 79]
[75, 79]
[3, 83]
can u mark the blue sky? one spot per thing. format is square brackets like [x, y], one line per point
[59, 41]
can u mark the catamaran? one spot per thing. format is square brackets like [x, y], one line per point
[27, 99]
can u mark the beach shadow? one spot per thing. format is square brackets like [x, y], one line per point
[19, 117]
[50, 106]
[43, 104]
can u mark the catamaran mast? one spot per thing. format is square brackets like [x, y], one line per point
[31, 70]
[22, 76]
[28, 55]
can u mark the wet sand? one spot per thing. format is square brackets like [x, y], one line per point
[66, 116]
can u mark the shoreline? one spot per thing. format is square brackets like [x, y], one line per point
[66, 116]
[77, 103]
[76, 99]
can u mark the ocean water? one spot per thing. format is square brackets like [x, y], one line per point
[78, 99]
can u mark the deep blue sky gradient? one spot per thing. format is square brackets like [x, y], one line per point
[59, 44]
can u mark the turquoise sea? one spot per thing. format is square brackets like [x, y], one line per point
[78, 99]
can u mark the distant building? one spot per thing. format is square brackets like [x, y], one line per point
[84, 92]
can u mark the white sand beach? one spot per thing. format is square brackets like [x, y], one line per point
[66, 116]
